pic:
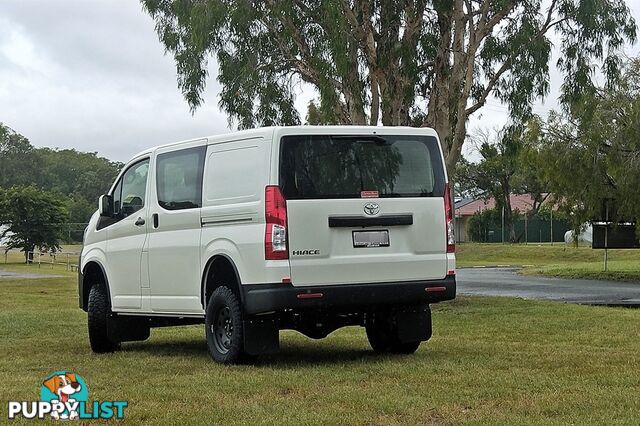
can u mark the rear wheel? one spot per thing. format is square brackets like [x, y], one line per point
[223, 326]
[383, 336]
[99, 312]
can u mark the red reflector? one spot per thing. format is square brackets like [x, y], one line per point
[286, 280]
[310, 295]
[433, 289]
[451, 272]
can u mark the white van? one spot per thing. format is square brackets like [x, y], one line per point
[304, 228]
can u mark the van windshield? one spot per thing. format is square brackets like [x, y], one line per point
[319, 166]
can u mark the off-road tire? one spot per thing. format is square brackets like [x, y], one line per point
[99, 311]
[223, 327]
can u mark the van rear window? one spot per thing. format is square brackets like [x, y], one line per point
[345, 166]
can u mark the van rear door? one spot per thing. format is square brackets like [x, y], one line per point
[364, 209]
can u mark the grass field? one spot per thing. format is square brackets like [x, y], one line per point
[491, 360]
[553, 260]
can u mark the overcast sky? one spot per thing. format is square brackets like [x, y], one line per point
[92, 75]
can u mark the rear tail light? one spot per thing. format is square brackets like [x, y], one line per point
[448, 215]
[275, 234]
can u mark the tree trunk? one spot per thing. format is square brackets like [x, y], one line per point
[508, 213]
[438, 112]
[375, 100]
[453, 71]
[508, 221]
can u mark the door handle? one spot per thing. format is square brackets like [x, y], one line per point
[139, 222]
[155, 220]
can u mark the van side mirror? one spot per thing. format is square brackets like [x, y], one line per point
[105, 205]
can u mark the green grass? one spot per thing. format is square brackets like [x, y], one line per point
[553, 260]
[491, 360]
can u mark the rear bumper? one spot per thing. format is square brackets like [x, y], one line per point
[261, 298]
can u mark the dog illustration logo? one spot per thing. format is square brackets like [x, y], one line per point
[66, 388]
[65, 396]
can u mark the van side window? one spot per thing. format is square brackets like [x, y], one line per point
[179, 178]
[129, 193]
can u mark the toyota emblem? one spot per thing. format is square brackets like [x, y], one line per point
[371, 208]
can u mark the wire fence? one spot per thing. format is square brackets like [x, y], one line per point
[68, 259]
[72, 235]
[533, 230]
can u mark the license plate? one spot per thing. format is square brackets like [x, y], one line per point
[371, 238]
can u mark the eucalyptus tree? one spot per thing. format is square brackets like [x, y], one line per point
[395, 62]
[80, 177]
[593, 154]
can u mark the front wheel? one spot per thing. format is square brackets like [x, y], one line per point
[223, 326]
[99, 311]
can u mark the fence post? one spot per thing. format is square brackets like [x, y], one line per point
[551, 236]
[606, 239]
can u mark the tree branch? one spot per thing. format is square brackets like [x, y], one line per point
[548, 24]
[485, 93]
[303, 66]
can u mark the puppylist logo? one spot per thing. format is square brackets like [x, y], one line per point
[65, 396]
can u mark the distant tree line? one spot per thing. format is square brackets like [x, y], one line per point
[44, 190]
[76, 178]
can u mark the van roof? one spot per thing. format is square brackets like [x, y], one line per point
[279, 131]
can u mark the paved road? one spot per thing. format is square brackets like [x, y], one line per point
[506, 282]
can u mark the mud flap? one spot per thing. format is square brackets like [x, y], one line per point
[414, 324]
[122, 329]
[261, 336]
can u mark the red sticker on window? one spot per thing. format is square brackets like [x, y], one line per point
[369, 194]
